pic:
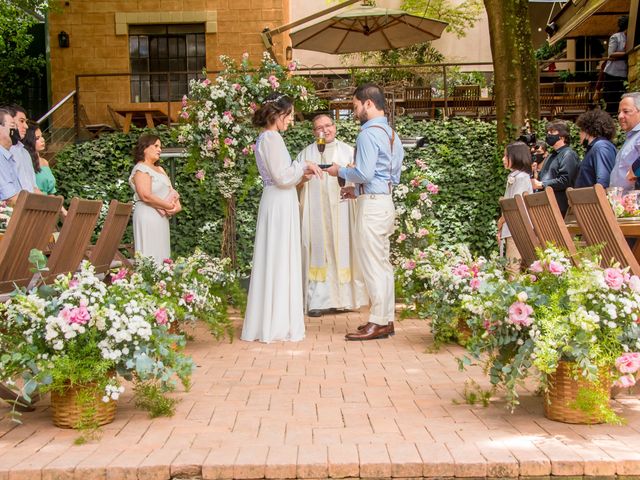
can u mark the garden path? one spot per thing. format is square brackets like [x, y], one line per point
[325, 408]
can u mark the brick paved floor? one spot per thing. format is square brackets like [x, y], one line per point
[326, 408]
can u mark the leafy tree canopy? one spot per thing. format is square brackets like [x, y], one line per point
[17, 68]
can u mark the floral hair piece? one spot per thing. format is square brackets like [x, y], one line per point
[274, 100]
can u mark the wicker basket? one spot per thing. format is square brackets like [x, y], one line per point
[66, 410]
[563, 392]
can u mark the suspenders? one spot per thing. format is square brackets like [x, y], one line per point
[392, 139]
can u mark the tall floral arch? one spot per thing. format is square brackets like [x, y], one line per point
[216, 127]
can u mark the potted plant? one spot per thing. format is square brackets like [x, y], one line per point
[566, 323]
[197, 287]
[79, 336]
[437, 282]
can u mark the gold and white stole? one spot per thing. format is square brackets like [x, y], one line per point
[317, 196]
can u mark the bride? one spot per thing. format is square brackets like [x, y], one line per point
[275, 302]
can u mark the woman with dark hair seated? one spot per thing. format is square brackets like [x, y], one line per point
[275, 306]
[34, 142]
[155, 200]
[597, 129]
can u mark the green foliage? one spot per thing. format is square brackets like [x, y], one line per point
[460, 153]
[461, 16]
[462, 157]
[595, 403]
[152, 397]
[18, 70]
[474, 393]
[547, 51]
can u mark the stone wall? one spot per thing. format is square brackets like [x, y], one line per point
[99, 44]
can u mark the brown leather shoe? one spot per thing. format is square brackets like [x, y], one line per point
[370, 332]
[392, 331]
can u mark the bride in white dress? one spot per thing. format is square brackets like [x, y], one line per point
[275, 310]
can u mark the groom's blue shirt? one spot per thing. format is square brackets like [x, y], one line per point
[376, 166]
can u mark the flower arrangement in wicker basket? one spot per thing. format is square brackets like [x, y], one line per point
[77, 406]
[568, 398]
[569, 322]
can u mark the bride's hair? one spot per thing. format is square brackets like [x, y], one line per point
[274, 106]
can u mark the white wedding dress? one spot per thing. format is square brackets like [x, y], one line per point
[275, 310]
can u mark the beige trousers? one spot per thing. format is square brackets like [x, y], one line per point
[375, 219]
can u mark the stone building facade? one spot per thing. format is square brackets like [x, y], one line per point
[131, 39]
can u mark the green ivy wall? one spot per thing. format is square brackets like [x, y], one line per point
[461, 154]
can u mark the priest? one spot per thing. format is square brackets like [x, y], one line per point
[331, 276]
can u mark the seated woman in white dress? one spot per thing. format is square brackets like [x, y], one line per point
[155, 200]
[275, 310]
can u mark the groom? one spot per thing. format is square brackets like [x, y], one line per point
[378, 161]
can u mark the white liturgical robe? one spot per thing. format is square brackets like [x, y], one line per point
[331, 275]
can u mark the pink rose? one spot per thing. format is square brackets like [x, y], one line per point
[167, 261]
[245, 56]
[614, 278]
[228, 141]
[401, 238]
[184, 101]
[421, 164]
[556, 268]
[414, 182]
[245, 151]
[634, 283]
[461, 271]
[625, 381]
[73, 283]
[533, 278]
[409, 265]
[161, 316]
[433, 189]
[536, 267]
[422, 232]
[79, 315]
[184, 114]
[474, 283]
[292, 66]
[422, 255]
[206, 82]
[188, 297]
[121, 275]
[424, 196]
[253, 106]
[519, 314]
[628, 363]
[200, 175]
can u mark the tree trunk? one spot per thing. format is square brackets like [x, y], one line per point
[229, 230]
[514, 65]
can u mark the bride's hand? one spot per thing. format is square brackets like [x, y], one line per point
[312, 169]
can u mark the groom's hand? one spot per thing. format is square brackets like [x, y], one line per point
[348, 193]
[333, 170]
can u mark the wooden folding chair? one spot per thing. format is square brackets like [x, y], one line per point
[34, 218]
[548, 223]
[465, 101]
[599, 226]
[95, 129]
[74, 237]
[106, 248]
[547, 100]
[417, 102]
[515, 214]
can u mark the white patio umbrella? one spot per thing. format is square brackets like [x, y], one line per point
[367, 29]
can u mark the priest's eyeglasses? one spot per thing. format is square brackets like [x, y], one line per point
[326, 126]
